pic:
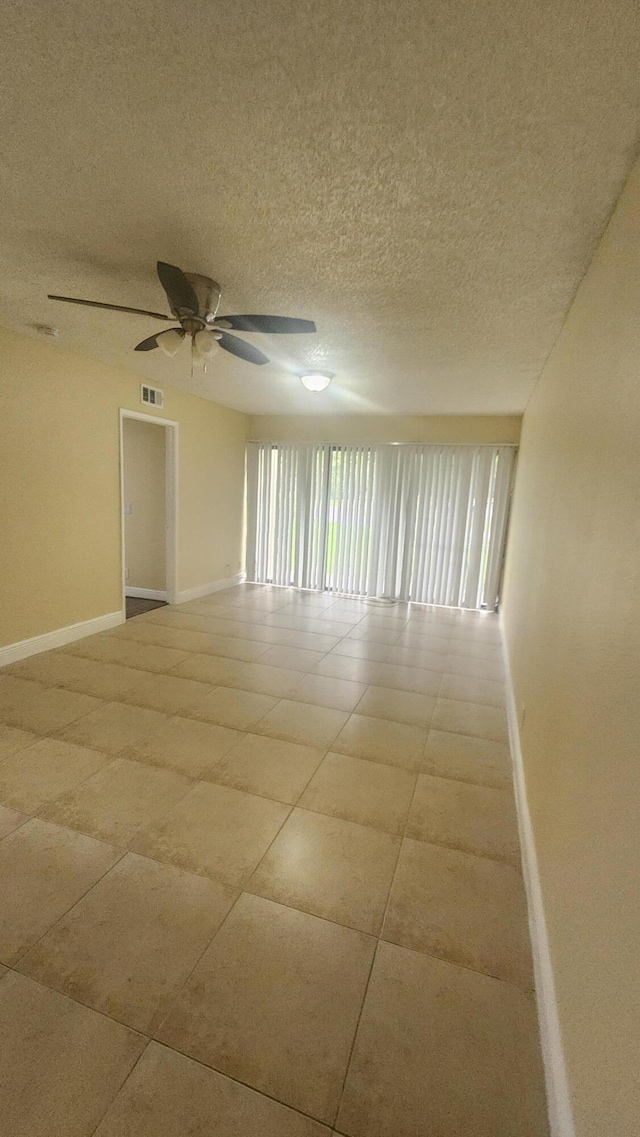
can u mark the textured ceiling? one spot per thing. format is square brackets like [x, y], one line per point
[427, 179]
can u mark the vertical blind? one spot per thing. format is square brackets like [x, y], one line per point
[421, 523]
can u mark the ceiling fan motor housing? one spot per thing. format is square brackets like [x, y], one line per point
[208, 292]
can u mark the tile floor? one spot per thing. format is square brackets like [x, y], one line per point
[259, 875]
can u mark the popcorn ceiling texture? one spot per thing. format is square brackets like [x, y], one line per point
[427, 180]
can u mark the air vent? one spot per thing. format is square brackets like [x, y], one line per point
[152, 396]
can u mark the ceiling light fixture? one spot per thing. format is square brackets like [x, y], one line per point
[316, 380]
[170, 342]
[205, 343]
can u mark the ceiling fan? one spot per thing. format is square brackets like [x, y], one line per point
[194, 301]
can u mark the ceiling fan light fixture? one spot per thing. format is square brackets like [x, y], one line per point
[316, 380]
[205, 343]
[170, 342]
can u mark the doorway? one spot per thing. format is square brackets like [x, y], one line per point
[148, 472]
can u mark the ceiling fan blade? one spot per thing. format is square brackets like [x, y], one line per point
[152, 341]
[179, 292]
[242, 350]
[111, 307]
[276, 325]
[148, 344]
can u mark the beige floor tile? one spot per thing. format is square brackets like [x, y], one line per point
[50, 668]
[143, 632]
[209, 669]
[477, 819]
[326, 691]
[331, 868]
[401, 678]
[45, 770]
[302, 722]
[168, 1091]
[467, 689]
[187, 746]
[216, 831]
[240, 710]
[327, 627]
[397, 706]
[386, 618]
[174, 617]
[296, 659]
[119, 802]
[261, 633]
[442, 1050]
[10, 819]
[471, 718]
[60, 1063]
[395, 743]
[477, 668]
[311, 641]
[417, 657]
[104, 680]
[475, 649]
[344, 667]
[274, 1002]
[269, 767]
[376, 634]
[44, 869]
[113, 726]
[12, 740]
[460, 907]
[131, 942]
[171, 694]
[424, 641]
[235, 647]
[39, 709]
[467, 759]
[265, 680]
[358, 790]
[61, 669]
[363, 649]
[118, 649]
[292, 621]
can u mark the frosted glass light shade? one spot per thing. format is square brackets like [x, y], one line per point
[315, 381]
[205, 343]
[170, 342]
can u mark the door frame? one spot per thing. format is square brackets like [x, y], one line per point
[171, 501]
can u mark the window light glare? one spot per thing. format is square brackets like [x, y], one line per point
[315, 380]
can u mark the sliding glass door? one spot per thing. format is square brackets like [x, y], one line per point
[421, 523]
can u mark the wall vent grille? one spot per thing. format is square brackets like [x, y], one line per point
[152, 396]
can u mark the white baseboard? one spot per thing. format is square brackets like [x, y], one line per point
[61, 636]
[558, 1099]
[147, 593]
[205, 589]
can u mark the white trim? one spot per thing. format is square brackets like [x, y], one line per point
[146, 593]
[215, 586]
[171, 491]
[58, 638]
[558, 1098]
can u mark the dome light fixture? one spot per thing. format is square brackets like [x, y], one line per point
[316, 380]
[205, 343]
[170, 342]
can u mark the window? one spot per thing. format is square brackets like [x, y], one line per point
[420, 523]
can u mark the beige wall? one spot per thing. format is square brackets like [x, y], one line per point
[385, 428]
[572, 615]
[144, 471]
[60, 556]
